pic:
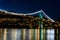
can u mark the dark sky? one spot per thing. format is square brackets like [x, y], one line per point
[50, 7]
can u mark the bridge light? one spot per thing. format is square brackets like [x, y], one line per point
[59, 24]
[56, 25]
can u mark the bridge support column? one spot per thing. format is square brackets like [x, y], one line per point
[41, 25]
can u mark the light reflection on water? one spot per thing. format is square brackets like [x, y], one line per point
[20, 35]
[50, 34]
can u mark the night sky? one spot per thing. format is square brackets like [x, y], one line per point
[50, 7]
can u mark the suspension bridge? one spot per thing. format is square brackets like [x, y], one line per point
[41, 12]
[28, 34]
